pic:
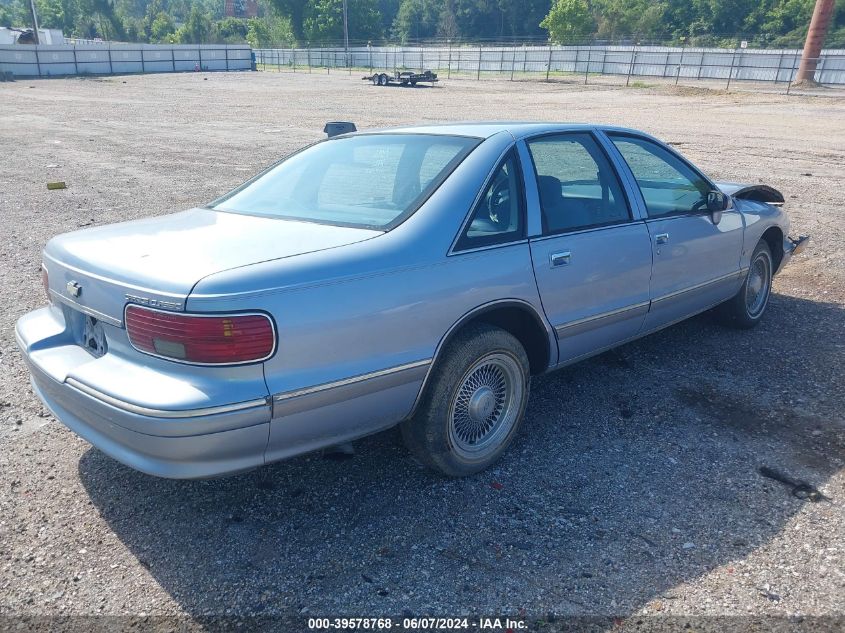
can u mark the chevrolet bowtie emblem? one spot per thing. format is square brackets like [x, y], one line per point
[74, 289]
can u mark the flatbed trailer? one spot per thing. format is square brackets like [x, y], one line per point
[401, 77]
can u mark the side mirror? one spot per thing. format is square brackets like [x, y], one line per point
[717, 202]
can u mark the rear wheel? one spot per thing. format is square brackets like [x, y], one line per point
[474, 403]
[746, 308]
[382, 80]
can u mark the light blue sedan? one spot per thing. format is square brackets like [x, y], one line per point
[417, 276]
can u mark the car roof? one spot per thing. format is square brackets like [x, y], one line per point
[517, 129]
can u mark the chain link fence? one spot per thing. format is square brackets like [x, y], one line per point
[715, 67]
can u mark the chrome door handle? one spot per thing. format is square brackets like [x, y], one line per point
[560, 259]
[661, 238]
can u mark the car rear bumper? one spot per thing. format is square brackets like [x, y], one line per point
[165, 420]
[172, 456]
[154, 435]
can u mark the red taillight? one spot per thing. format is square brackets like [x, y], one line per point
[45, 282]
[214, 340]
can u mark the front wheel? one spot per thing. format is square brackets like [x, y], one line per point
[474, 403]
[746, 308]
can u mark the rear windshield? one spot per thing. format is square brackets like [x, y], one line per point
[370, 181]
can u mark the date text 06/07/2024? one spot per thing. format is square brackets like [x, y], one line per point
[417, 624]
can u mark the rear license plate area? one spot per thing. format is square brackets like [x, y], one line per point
[94, 337]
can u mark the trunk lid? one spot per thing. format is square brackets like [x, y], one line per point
[157, 261]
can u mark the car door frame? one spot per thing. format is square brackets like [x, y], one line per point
[534, 304]
[535, 234]
[455, 248]
[631, 181]
[731, 280]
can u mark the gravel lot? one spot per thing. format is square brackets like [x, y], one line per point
[632, 489]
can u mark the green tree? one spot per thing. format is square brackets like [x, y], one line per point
[197, 28]
[295, 11]
[162, 28]
[57, 14]
[231, 30]
[388, 10]
[789, 17]
[447, 21]
[270, 30]
[568, 21]
[715, 22]
[416, 19]
[324, 21]
[651, 19]
[13, 14]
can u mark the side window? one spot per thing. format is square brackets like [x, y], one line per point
[669, 186]
[499, 217]
[578, 187]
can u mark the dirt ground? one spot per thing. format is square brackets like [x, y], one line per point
[633, 488]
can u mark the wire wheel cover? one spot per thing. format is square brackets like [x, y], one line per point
[757, 287]
[486, 405]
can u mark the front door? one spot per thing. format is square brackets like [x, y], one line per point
[593, 260]
[696, 262]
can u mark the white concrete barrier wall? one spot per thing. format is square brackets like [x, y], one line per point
[119, 59]
[642, 61]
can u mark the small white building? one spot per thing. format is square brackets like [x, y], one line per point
[46, 37]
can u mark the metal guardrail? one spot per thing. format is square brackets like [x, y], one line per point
[100, 59]
[669, 63]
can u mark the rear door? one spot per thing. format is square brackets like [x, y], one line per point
[592, 261]
[696, 262]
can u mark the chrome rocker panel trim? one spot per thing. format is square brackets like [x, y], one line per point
[287, 395]
[737, 273]
[607, 318]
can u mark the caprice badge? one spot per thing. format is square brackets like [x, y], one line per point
[154, 303]
[74, 289]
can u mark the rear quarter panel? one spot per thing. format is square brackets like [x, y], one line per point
[333, 331]
[369, 307]
[379, 303]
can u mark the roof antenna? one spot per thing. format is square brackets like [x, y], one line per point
[335, 128]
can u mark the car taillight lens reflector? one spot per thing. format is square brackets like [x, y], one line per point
[213, 340]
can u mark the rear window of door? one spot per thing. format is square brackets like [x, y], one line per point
[499, 215]
[578, 186]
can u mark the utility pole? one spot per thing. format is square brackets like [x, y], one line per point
[34, 21]
[346, 30]
[822, 15]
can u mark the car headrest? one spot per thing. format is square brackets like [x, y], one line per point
[503, 213]
[550, 190]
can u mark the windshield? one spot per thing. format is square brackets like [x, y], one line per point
[370, 181]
